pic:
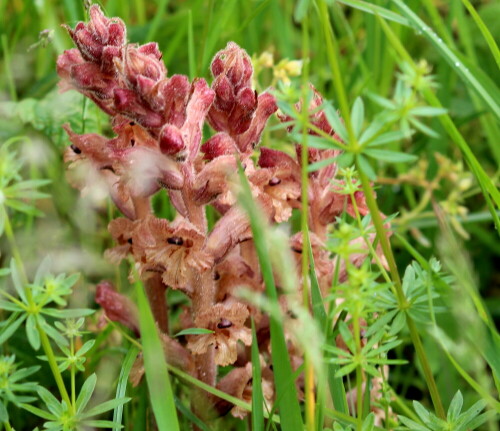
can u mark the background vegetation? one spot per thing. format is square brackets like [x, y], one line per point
[445, 200]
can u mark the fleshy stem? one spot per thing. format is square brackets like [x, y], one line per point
[304, 158]
[332, 50]
[402, 301]
[49, 352]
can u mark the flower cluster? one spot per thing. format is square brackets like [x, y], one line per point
[159, 144]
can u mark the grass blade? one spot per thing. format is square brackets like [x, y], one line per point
[121, 388]
[160, 390]
[288, 403]
[257, 395]
[484, 30]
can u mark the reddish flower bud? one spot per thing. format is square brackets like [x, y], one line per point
[88, 77]
[277, 159]
[266, 106]
[235, 63]
[171, 141]
[174, 96]
[92, 38]
[117, 307]
[127, 102]
[142, 62]
[218, 145]
[224, 92]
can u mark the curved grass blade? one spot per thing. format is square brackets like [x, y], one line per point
[160, 390]
[121, 388]
[288, 406]
[257, 395]
[376, 10]
[490, 40]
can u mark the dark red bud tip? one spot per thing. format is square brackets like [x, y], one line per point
[269, 158]
[267, 103]
[218, 145]
[247, 99]
[171, 141]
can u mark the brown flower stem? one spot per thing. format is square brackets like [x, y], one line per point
[155, 290]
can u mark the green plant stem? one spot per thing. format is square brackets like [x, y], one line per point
[7, 426]
[72, 371]
[359, 372]
[8, 72]
[402, 301]
[304, 155]
[49, 352]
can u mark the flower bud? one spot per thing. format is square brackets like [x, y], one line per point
[92, 38]
[117, 307]
[220, 144]
[171, 141]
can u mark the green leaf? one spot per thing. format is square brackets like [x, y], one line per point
[286, 391]
[358, 116]
[376, 10]
[369, 422]
[16, 280]
[390, 156]
[455, 407]
[193, 331]
[257, 394]
[4, 414]
[121, 387]
[11, 325]
[38, 412]
[85, 393]
[365, 166]
[104, 407]
[32, 332]
[428, 111]
[157, 378]
[68, 314]
[334, 119]
[50, 401]
[387, 138]
[301, 10]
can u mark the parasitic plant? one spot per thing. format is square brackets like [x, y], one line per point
[158, 146]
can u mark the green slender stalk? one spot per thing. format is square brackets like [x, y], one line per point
[72, 371]
[402, 301]
[332, 50]
[49, 352]
[304, 158]
[8, 72]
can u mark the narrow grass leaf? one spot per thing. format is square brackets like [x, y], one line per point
[490, 40]
[390, 156]
[376, 10]
[287, 400]
[121, 388]
[257, 394]
[160, 390]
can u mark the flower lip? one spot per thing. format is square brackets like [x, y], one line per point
[175, 240]
[224, 323]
